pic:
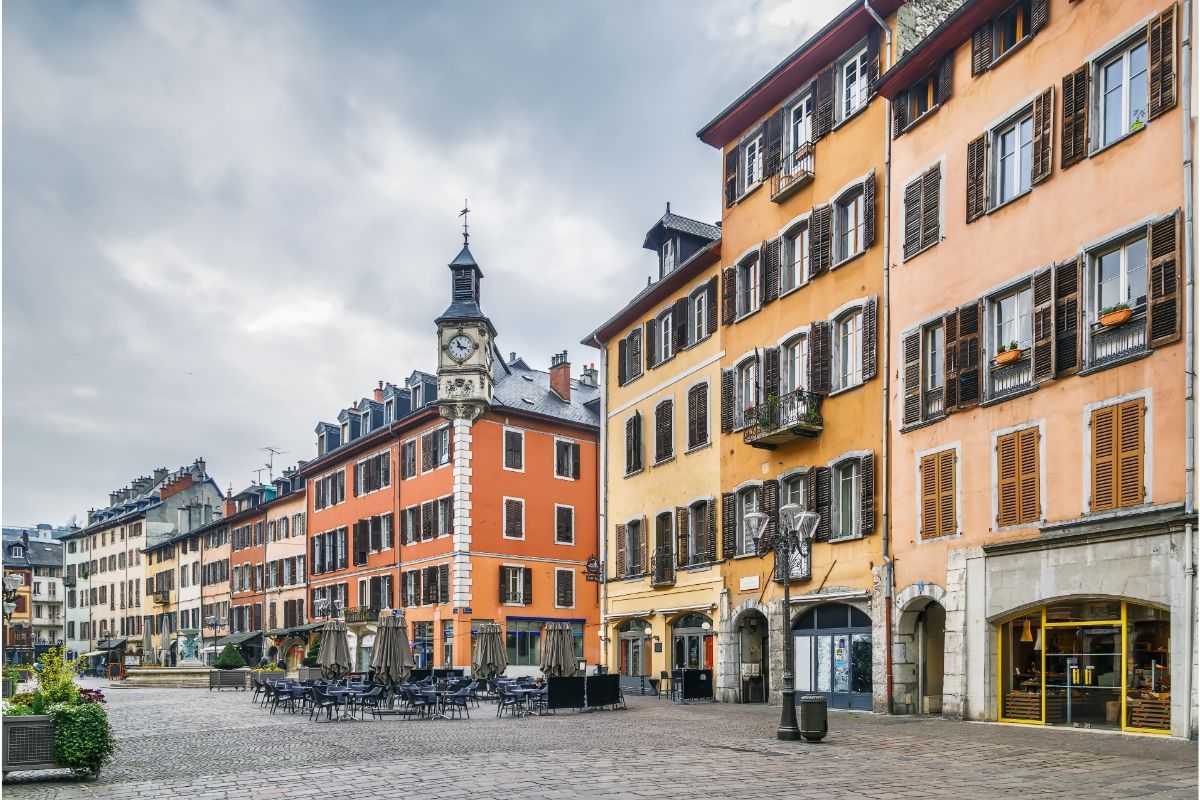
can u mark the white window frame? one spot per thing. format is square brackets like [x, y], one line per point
[557, 506]
[665, 342]
[740, 401]
[785, 364]
[927, 357]
[1012, 123]
[1022, 289]
[861, 59]
[804, 97]
[694, 555]
[668, 256]
[565, 440]
[358, 477]
[504, 448]
[504, 519]
[852, 201]
[751, 154]
[842, 381]
[438, 433]
[557, 572]
[748, 265]
[1147, 396]
[1121, 246]
[844, 461]
[519, 571]
[698, 315]
[745, 548]
[633, 366]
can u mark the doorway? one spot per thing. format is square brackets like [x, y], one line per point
[691, 642]
[931, 648]
[754, 675]
[833, 655]
[632, 637]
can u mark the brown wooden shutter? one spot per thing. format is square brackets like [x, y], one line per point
[931, 211]
[911, 352]
[1164, 299]
[710, 517]
[823, 99]
[728, 525]
[620, 551]
[710, 305]
[981, 48]
[651, 343]
[1008, 473]
[773, 156]
[1129, 453]
[726, 400]
[977, 192]
[912, 217]
[866, 494]
[427, 452]
[869, 339]
[1161, 34]
[504, 598]
[679, 325]
[1074, 117]
[644, 530]
[427, 520]
[1039, 15]
[681, 536]
[770, 262]
[638, 443]
[1043, 325]
[873, 62]
[527, 586]
[1066, 317]
[820, 240]
[770, 507]
[929, 496]
[635, 352]
[622, 360]
[868, 190]
[950, 362]
[899, 114]
[970, 373]
[731, 168]
[1043, 136]
[947, 522]
[663, 414]
[820, 501]
[576, 460]
[820, 366]
[630, 441]
[444, 583]
[770, 380]
[1027, 475]
[1104, 458]
[728, 296]
[945, 79]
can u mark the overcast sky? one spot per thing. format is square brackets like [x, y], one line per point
[225, 221]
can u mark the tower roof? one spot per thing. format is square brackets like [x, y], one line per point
[464, 259]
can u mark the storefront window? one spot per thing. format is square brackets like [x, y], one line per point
[524, 640]
[1021, 668]
[423, 644]
[1084, 610]
[1148, 669]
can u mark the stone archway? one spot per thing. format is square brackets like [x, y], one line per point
[919, 648]
[729, 653]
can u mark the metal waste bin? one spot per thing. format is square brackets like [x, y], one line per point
[814, 717]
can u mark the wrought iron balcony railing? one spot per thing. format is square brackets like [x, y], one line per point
[361, 614]
[162, 596]
[663, 569]
[1010, 378]
[796, 169]
[781, 419]
[1119, 341]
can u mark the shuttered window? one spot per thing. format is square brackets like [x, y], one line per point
[664, 431]
[1118, 455]
[564, 588]
[633, 443]
[698, 415]
[564, 525]
[938, 506]
[629, 357]
[922, 212]
[514, 449]
[1018, 500]
[514, 518]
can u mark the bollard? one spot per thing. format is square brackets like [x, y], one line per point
[814, 717]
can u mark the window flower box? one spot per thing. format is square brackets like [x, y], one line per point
[1007, 356]
[1112, 317]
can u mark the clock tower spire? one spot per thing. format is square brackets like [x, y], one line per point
[465, 341]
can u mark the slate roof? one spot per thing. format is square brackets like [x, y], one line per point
[38, 553]
[523, 389]
[675, 222]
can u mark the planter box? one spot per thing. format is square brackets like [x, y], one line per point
[1007, 357]
[29, 743]
[228, 679]
[1115, 318]
[308, 673]
[10, 687]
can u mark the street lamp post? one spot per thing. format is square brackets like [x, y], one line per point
[796, 527]
[12, 582]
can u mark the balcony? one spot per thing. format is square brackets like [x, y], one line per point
[662, 570]
[162, 597]
[780, 420]
[795, 172]
[932, 403]
[1012, 378]
[1117, 342]
[69, 581]
[360, 614]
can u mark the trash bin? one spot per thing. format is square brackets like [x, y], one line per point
[814, 717]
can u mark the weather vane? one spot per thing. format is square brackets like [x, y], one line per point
[463, 214]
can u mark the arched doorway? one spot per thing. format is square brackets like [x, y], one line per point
[930, 634]
[833, 655]
[753, 671]
[691, 642]
[635, 661]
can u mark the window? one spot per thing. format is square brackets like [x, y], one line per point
[1010, 28]
[1013, 145]
[747, 285]
[752, 162]
[633, 443]
[1018, 500]
[408, 459]
[668, 256]
[699, 314]
[372, 474]
[747, 501]
[796, 264]
[922, 212]
[848, 350]
[698, 527]
[1121, 276]
[629, 357]
[665, 340]
[1118, 450]
[564, 588]
[922, 97]
[938, 506]
[799, 129]
[514, 518]
[934, 357]
[664, 431]
[1011, 321]
[329, 490]
[793, 367]
[523, 639]
[566, 459]
[439, 444]
[448, 642]
[849, 225]
[634, 548]
[698, 415]
[846, 499]
[564, 524]
[516, 585]
[746, 392]
[853, 75]
[514, 450]
[1123, 93]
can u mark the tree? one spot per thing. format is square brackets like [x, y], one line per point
[314, 647]
[229, 658]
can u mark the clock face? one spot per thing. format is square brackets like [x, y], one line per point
[460, 347]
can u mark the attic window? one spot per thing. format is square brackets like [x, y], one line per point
[527, 400]
[528, 378]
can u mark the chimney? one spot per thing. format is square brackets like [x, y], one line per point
[560, 375]
[114, 497]
[159, 474]
[379, 393]
[183, 519]
[200, 466]
[590, 376]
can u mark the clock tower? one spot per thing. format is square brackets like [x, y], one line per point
[465, 344]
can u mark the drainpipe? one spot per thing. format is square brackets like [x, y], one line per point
[1188, 245]
[603, 504]
[889, 581]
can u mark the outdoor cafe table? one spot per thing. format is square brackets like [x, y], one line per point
[350, 694]
[526, 696]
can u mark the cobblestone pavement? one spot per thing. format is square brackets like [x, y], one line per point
[189, 743]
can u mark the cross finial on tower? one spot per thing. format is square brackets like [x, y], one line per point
[463, 214]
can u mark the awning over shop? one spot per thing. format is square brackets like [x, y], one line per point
[95, 653]
[111, 644]
[297, 630]
[239, 638]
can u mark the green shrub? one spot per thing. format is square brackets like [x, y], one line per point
[82, 738]
[229, 658]
[56, 678]
[314, 648]
[13, 709]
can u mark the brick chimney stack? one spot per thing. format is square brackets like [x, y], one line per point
[560, 375]
[379, 393]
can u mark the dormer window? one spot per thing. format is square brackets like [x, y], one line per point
[365, 425]
[346, 431]
[389, 411]
[668, 256]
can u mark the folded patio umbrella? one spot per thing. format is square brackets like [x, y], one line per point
[391, 658]
[558, 650]
[334, 655]
[147, 645]
[490, 658]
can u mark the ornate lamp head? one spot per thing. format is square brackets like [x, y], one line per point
[756, 524]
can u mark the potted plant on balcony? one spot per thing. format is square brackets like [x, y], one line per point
[1115, 315]
[1007, 355]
